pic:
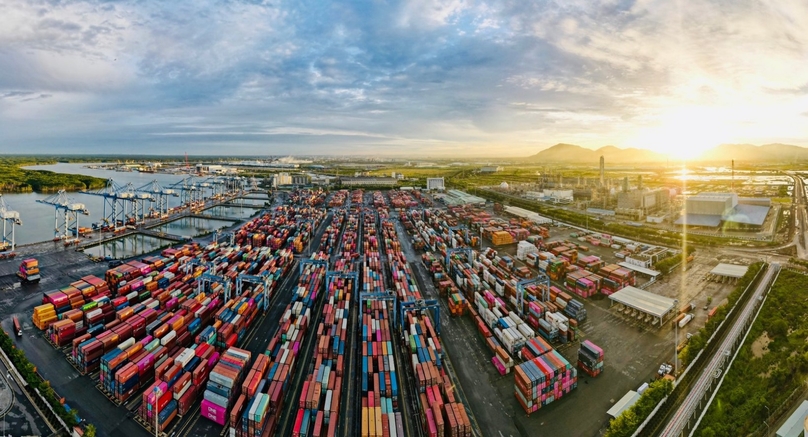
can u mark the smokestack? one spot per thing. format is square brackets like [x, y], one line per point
[625, 184]
[732, 184]
[602, 169]
[639, 182]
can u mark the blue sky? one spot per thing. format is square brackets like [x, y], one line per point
[421, 77]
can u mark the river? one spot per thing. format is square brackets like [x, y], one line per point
[38, 218]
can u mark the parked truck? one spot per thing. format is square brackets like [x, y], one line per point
[29, 270]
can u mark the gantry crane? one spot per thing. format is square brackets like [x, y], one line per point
[159, 195]
[10, 219]
[67, 213]
[116, 201]
[189, 191]
[138, 200]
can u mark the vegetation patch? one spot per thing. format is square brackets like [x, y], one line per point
[14, 178]
[756, 385]
[628, 421]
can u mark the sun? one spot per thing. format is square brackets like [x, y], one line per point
[684, 133]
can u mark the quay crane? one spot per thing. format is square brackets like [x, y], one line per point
[67, 213]
[159, 195]
[10, 219]
[116, 200]
[189, 191]
[138, 202]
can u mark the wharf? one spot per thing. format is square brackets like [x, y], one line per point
[162, 235]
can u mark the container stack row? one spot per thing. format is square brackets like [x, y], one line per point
[543, 380]
[224, 384]
[380, 415]
[440, 413]
[403, 280]
[590, 358]
[177, 382]
[283, 348]
[318, 408]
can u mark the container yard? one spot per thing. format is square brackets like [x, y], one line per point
[354, 313]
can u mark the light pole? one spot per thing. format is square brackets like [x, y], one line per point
[156, 416]
[766, 422]
[675, 339]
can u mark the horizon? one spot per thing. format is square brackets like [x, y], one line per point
[437, 78]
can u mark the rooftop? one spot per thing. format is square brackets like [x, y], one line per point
[644, 301]
[794, 425]
[729, 270]
[624, 403]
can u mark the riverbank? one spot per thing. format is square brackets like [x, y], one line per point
[16, 179]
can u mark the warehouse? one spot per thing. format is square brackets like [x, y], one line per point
[368, 181]
[529, 215]
[459, 198]
[723, 272]
[651, 273]
[435, 184]
[624, 403]
[652, 305]
[724, 209]
[795, 425]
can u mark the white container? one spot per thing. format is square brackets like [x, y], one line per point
[685, 320]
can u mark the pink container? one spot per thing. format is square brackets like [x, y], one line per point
[213, 412]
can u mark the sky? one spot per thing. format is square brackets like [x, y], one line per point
[399, 78]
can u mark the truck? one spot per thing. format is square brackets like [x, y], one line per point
[685, 320]
[17, 327]
[29, 270]
[664, 369]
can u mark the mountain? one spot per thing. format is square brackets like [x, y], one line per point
[570, 153]
[576, 154]
[749, 152]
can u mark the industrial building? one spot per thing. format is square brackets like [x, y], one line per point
[459, 198]
[214, 169]
[732, 272]
[368, 181]
[553, 196]
[281, 179]
[644, 303]
[435, 184]
[529, 215]
[797, 424]
[491, 169]
[640, 202]
[725, 209]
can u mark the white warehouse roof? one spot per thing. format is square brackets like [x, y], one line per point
[729, 270]
[794, 426]
[624, 403]
[644, 301]
[529, 215]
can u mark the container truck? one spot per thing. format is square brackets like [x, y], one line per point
[29, 270]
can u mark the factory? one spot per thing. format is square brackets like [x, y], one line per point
[459, 198]
[435, 184]
[714, 210]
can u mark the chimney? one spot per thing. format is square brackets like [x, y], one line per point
[639, 182]
[602, 169]
[625, 184]
[732, 184]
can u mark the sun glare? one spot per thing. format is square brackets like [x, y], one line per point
[684, 134]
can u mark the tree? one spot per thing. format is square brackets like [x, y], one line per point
[89, 431]
[779, 328]
[708, 432]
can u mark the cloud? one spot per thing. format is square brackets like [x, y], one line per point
[498, 77]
